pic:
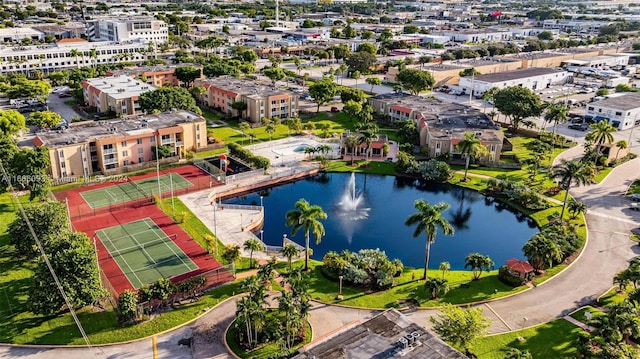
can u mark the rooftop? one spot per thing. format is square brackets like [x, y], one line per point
[516, 74]
[121, 86]
[626, 102]
[389, 334]
[134, 126]
[245, 87]
[19, 31]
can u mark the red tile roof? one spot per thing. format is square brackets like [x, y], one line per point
[455, 141]
[519, 266]
[73, 39]
[401, 109]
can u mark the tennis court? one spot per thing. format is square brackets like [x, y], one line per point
[133, 190]
[144, 252]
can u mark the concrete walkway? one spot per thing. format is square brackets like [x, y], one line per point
[578, 323]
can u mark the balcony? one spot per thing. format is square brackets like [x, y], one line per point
[109, 151]
[179, 143]
[110, 161]
[167, 141]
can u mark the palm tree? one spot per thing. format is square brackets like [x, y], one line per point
[469, 147]
[540, 250]
[622, 145]
[244, 127]
[93, 54]
[571, 172]
[478, 263]
[75, 53]
[437, 286]
[444, 267]
[602, 132]
[373, 81]
[352, 142]
[341, 70]
[427, 220]
[307, 217]
[556, 113]
[576, 208]
[252, 244]
[289, 251]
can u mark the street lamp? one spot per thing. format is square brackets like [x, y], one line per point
[284, 239]
[262, 236]
[241, 227]
[524, 321]
[340, 297]
[261, 204]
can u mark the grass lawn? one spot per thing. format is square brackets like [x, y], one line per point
[554, 339]
[614, 296]
[635, 187]
[463, 290]
[381, 168]
[264, 351]
[579, 315]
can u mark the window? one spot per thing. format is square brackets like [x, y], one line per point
[140, 159]
[125, 162]
[437, 145]
[123, 143]
[61, 154]
[493, 148]
[152, 139]
[139, 141]
[125, 153]
[618, 113]
[63, 165]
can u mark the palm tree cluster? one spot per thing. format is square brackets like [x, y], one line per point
[552, 245]
[573, 172]
[478, 263]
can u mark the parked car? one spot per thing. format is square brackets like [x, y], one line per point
[634, 206]
[635, 197]
[577, 119]
[64, 94]
[579, 126]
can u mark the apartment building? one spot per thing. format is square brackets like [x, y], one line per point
[145, 29]
[93, 147]
[159, 75]
[621, 111]
[119, 94]
[61, 56]
[441, 125]
[262, 101]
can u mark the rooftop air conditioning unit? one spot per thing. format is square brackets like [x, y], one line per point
[403, 343]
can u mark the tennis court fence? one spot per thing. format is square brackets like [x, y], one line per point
[113, 294]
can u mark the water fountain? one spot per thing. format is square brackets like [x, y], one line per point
[348, 205]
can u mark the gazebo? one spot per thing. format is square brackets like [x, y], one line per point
[519, 268]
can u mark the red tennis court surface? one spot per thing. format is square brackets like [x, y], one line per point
[119, 282]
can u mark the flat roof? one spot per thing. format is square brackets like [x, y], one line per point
[516, 74]
[244, 86]
[121, 86]
[380, 337]
[133, 126]
[626, 102]
[19, 31]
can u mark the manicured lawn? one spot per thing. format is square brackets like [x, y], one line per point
[554, 339]
[579, 315]
[602, 174]
[382, 168]
[635, 187]
[614, 296]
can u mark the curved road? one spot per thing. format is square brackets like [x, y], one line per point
[607, 251]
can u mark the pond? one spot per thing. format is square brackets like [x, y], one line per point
[369, 211]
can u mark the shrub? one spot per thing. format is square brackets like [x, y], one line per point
[243, 154]
[434, 170]
[366, 267]
[127, 304]
[507, 278]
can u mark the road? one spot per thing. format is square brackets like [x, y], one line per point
[56, 104]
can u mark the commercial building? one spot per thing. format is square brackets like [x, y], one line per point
[92, 147]
[621, 111]
[131, 29]
[61, 56]
[261, 101]
[533, 79]
[18, 34]
[441, 125]
[389, 334]
[118, 94]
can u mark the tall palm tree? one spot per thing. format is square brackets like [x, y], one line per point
[478, 263]
[75, 53]
[571, 172]
[289, 251]
[601, 134]
[93, 54]
[351, 142]
[307, 217]
[540, 250]
[427, 220]
[341, 70]
[576, 207]
[252, 245]
[556, 113]
[622, 145]
[470, 146]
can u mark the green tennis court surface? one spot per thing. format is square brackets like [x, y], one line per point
[144, 252]
[129, 191]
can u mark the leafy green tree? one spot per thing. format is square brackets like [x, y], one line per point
[231, 255]
[29, 89]
[436, 287]
[165, 99]
[323, 91]
[367, 47]
[46, 218]
[541, 250]
[44, 119]
[252, 245]
[351, 94]
[373, 81]
[361, 61]
[515, 353]
[569, 173]
[410, 29]
[352, 108]
[352, 142]
[428, 220]
[127, 305]
[188, 74]
[470, 71]
[11, 122]
[460, 326]
[470, 146]
[163, 151]
[274, 74]
[306, 217]
[239, 106]
[289, 251]
[29, 167]
[59, 77]
[602, 92]
[74, 260]
[478, 263]
[415, 80]
[517, 103]
[244, 128]
[545, 35]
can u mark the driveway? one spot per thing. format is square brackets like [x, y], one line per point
[56, 104]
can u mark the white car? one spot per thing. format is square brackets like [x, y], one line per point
[634, 206]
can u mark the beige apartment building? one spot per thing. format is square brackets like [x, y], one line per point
[262, 101]
[441, 125]
[158, 76]
[119, 94]
[92, 147]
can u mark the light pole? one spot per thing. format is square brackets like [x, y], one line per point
[524, 321]
[284, 239]
[262, 236]
[340, 297]
[241, 227]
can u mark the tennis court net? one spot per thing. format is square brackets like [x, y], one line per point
[137, 187]
[140, 246]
